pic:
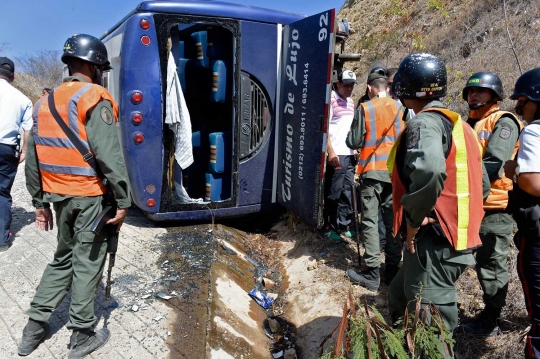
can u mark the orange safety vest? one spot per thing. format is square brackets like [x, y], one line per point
[383, 123]
[62, 167]
[459, 206]
[498, 195]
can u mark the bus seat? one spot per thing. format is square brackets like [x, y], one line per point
[219, 81]
[200, 40]
[195, 172]
[181, 49]
[220, 152]
[218, 187]
[187, 74]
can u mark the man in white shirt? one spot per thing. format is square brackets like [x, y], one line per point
[524, 201]
[341, 160]
[15, 113]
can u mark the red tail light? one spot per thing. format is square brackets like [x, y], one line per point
[145, 40]
[137, 118]
[137, 97]
[150, 202]
[138, 138]
[145, 24]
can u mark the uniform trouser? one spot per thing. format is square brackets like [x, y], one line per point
[430, 272]
[338, 205]
[491, 257]
[528, 267]
[78, 264]
[377, 195]
[8, 170]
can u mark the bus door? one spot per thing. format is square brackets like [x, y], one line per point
[302, 111]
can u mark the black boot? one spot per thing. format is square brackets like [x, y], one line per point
[369, 279]
[33, 334]
[485, 325]
[85, 341]
[390, 272]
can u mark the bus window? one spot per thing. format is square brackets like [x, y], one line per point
[203, 56]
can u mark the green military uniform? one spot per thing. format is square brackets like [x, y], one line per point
[496, 231]
[432, 271]
[375, 194]
[80, 255]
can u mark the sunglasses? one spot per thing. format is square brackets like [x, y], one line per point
[519, 107]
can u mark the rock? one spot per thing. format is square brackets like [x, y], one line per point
[274, 325]
[290, 354]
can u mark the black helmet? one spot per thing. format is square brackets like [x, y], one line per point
[528, 85]
[420, 76]
[87, 48]
[485, 79]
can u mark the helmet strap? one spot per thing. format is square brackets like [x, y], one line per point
[96, 78]
[480, 105]
[537, 112]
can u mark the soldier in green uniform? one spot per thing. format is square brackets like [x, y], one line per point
[435, 159]
[498, 132]
[385, 123]
[57, 173]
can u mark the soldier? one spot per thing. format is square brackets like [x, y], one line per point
[524, 201]
[57, 173]
[374, 130]
[438, 185]
[498, 132]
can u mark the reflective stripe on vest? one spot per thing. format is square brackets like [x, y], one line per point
[498, 195]
[382, 117]
[62, 167]
[459, 207]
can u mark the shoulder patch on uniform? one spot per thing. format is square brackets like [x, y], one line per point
[413, 136]
[505, 133]
[106, 115]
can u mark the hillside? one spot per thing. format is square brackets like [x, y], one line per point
[469, 35]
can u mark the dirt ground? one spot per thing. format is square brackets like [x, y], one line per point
[315, 287]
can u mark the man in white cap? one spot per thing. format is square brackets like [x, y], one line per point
[341, 160]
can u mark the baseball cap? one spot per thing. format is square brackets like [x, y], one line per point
[347, 77]
[377, 73]
[7, 68]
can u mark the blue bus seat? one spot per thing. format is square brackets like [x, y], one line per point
[218, 187]
[195, 172]
[181, 49]
[219, 81]
[187, 75]
[200, 41]
[220, 152]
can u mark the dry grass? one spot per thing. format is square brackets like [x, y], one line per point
[514, 317]
[469, 35]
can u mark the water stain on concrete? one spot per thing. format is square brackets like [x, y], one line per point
[214, 316]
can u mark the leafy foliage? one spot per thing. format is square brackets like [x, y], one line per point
[368, 336]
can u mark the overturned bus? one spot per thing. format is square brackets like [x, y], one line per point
[223, 107]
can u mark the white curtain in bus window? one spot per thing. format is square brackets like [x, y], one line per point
[177, 116]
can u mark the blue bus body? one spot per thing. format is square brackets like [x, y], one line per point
[257, 86]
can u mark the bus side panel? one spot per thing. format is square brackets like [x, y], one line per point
[259, 59]
[306, 68]
[141, 72]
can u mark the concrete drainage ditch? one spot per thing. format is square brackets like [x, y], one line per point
[207, 274]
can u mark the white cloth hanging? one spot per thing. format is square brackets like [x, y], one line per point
[177, 116]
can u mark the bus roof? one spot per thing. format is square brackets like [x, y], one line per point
[212, 8]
